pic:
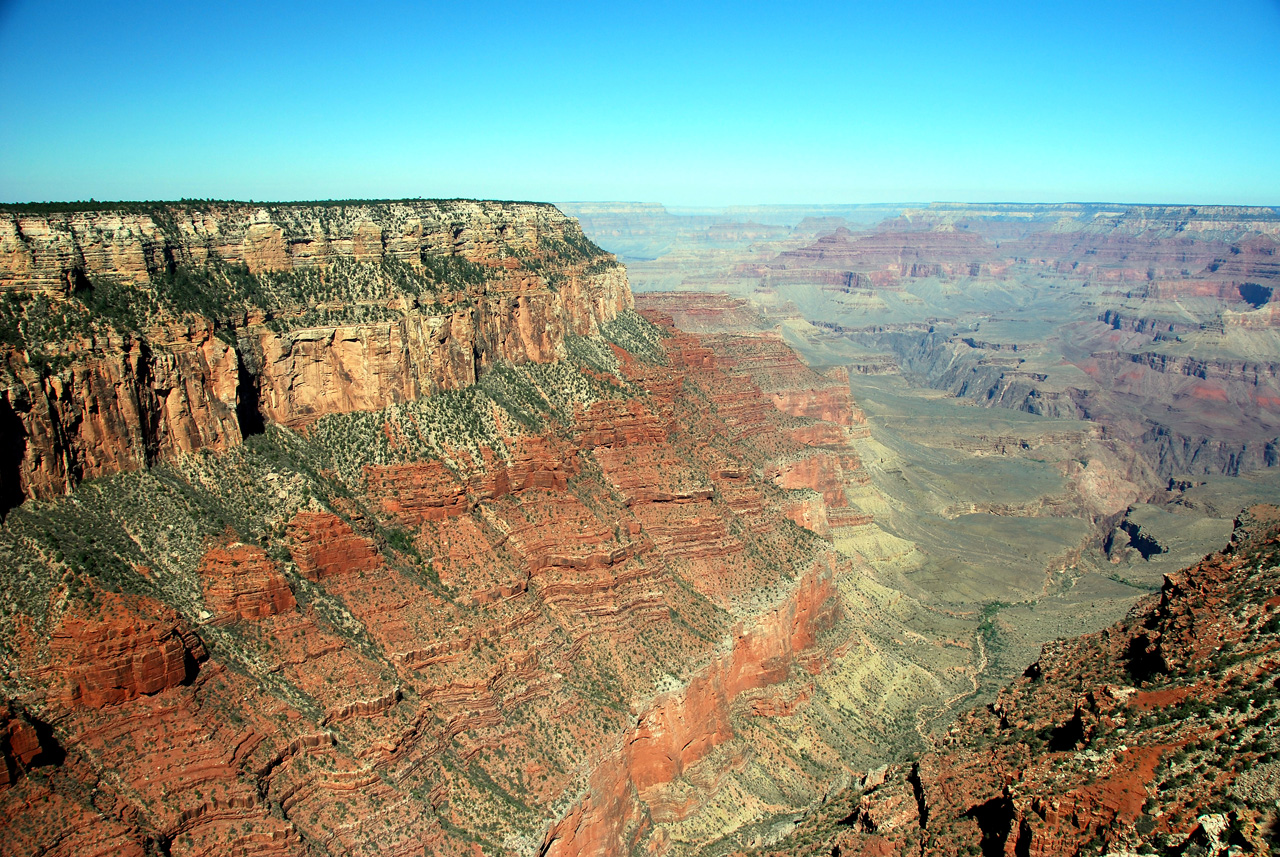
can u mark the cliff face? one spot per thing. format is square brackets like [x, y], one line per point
[450, 574]
[132, 336]
[122, 402]
[50, 251]
[1187, 414]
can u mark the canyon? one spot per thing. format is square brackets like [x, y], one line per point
[395, 528]
[405, 527]
[1154, 321]
[1139, 341]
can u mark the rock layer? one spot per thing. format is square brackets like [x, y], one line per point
[240, 582]
[134, 648]
[212, 324]
[566, 606]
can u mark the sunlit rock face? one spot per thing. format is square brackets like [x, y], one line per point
[146, 333]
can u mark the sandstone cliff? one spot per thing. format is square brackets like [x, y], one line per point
[136, 334]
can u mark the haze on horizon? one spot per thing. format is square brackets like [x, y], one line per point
[689, 104]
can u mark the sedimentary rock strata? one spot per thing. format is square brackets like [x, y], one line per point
[241, 582]
[1149, 321]
[574, 591]
[144, 333]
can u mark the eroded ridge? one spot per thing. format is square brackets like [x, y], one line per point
[583, 606]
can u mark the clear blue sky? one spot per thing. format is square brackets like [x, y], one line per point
[684, 103]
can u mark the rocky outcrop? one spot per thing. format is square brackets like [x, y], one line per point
[1155, 734]
[150, 331]
[429, 491]
[614, 425]
[325, 546]
[823, 473]
[133, 647]
[697, 312]
[1157, 328]
[125, 401]
[419, 492]
[241, 582]
[20, 745]
[1208, 370]
[833, 405]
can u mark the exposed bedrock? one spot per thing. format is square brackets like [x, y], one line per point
[241, 583]
[586, 625]
[628, 790]
[947, 362]
[879, 259]
[423, 297]
[134, 647]
[1175, 453]
[123, 402]
[21, 747]
[1157, 328]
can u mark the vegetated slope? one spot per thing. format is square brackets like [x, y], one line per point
[588, 603]
[1155, 736]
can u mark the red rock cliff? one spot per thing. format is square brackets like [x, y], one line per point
[141, 333]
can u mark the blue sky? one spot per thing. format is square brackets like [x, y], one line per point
[684, 103]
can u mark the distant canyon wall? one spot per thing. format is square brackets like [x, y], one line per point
[1188, 416]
